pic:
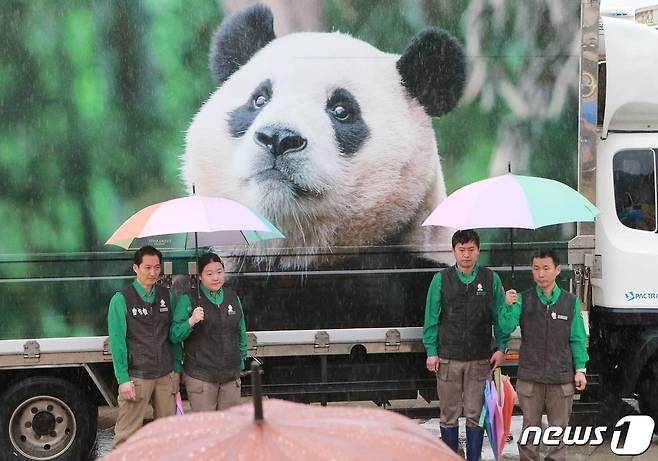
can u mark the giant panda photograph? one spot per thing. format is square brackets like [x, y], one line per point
[343, 122]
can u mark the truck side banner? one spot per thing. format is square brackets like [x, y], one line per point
[346, 138]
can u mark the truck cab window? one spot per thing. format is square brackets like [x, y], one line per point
[635, 188]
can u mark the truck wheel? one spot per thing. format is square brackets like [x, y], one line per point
[46, 418]
[647, 392]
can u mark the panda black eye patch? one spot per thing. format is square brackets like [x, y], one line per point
[350, 129]
[241, 118]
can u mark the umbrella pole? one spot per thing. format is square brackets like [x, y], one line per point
[511, 233]
[511, 247]
[256, 391]
[198, 275]
[196, 257]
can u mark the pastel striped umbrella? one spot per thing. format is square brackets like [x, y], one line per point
[511, 200]
[216, 220]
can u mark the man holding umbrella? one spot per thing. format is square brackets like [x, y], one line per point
[553, 351]
[462, 306]
[146, 364]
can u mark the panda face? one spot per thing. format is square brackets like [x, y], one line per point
[285, 155]
[313, 122]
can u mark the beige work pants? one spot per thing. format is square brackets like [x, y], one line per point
[460, 385]
[160, 392]
[205, 396]
[557, 400]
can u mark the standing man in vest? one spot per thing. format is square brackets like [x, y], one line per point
[553, 351]
[462, 306]
[146, 364]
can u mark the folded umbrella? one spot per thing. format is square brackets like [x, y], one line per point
[179, 405]
[509, 397]
[498, 426]
[487, 418]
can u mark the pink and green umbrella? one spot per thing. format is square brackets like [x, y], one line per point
[176, 224]
[515, 201]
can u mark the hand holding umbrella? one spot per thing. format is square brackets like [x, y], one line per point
[196, 317]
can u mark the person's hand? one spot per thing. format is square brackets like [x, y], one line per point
[127, 391]
[432, 364]
[580, 380]
[511, 296]
[497, 358]
[196, 317]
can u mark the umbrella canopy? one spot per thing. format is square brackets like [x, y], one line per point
[219, 221]
[288, 431]
[512, 201]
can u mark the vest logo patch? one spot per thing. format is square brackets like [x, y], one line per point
[230, 310]
[479, 290]
[163, 306]
[562, 317]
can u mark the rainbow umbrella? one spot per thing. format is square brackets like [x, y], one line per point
[208, 221]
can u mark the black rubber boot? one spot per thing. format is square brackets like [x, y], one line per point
[474, 436]
[450, 436]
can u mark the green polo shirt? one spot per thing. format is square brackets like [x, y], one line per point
[510, 316]
[433, 310]
[117, 329]
[180, 328]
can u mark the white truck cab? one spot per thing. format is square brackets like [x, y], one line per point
[617, 170]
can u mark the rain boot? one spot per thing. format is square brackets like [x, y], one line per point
[474, 436]
[450, 436]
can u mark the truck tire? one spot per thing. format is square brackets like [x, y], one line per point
[646, 392]
[46, 418]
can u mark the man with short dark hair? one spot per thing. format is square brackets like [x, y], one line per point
[462, 306]
[553, 351]
[146, 364]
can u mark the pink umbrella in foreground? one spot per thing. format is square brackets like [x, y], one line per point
[280, 430]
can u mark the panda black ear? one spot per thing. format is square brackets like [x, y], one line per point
[238, 38]
[433, 70]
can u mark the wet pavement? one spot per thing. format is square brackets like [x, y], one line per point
[107, 416]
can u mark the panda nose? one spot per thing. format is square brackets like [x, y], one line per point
[279, 141]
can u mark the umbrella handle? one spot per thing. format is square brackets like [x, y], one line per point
[257, 391]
